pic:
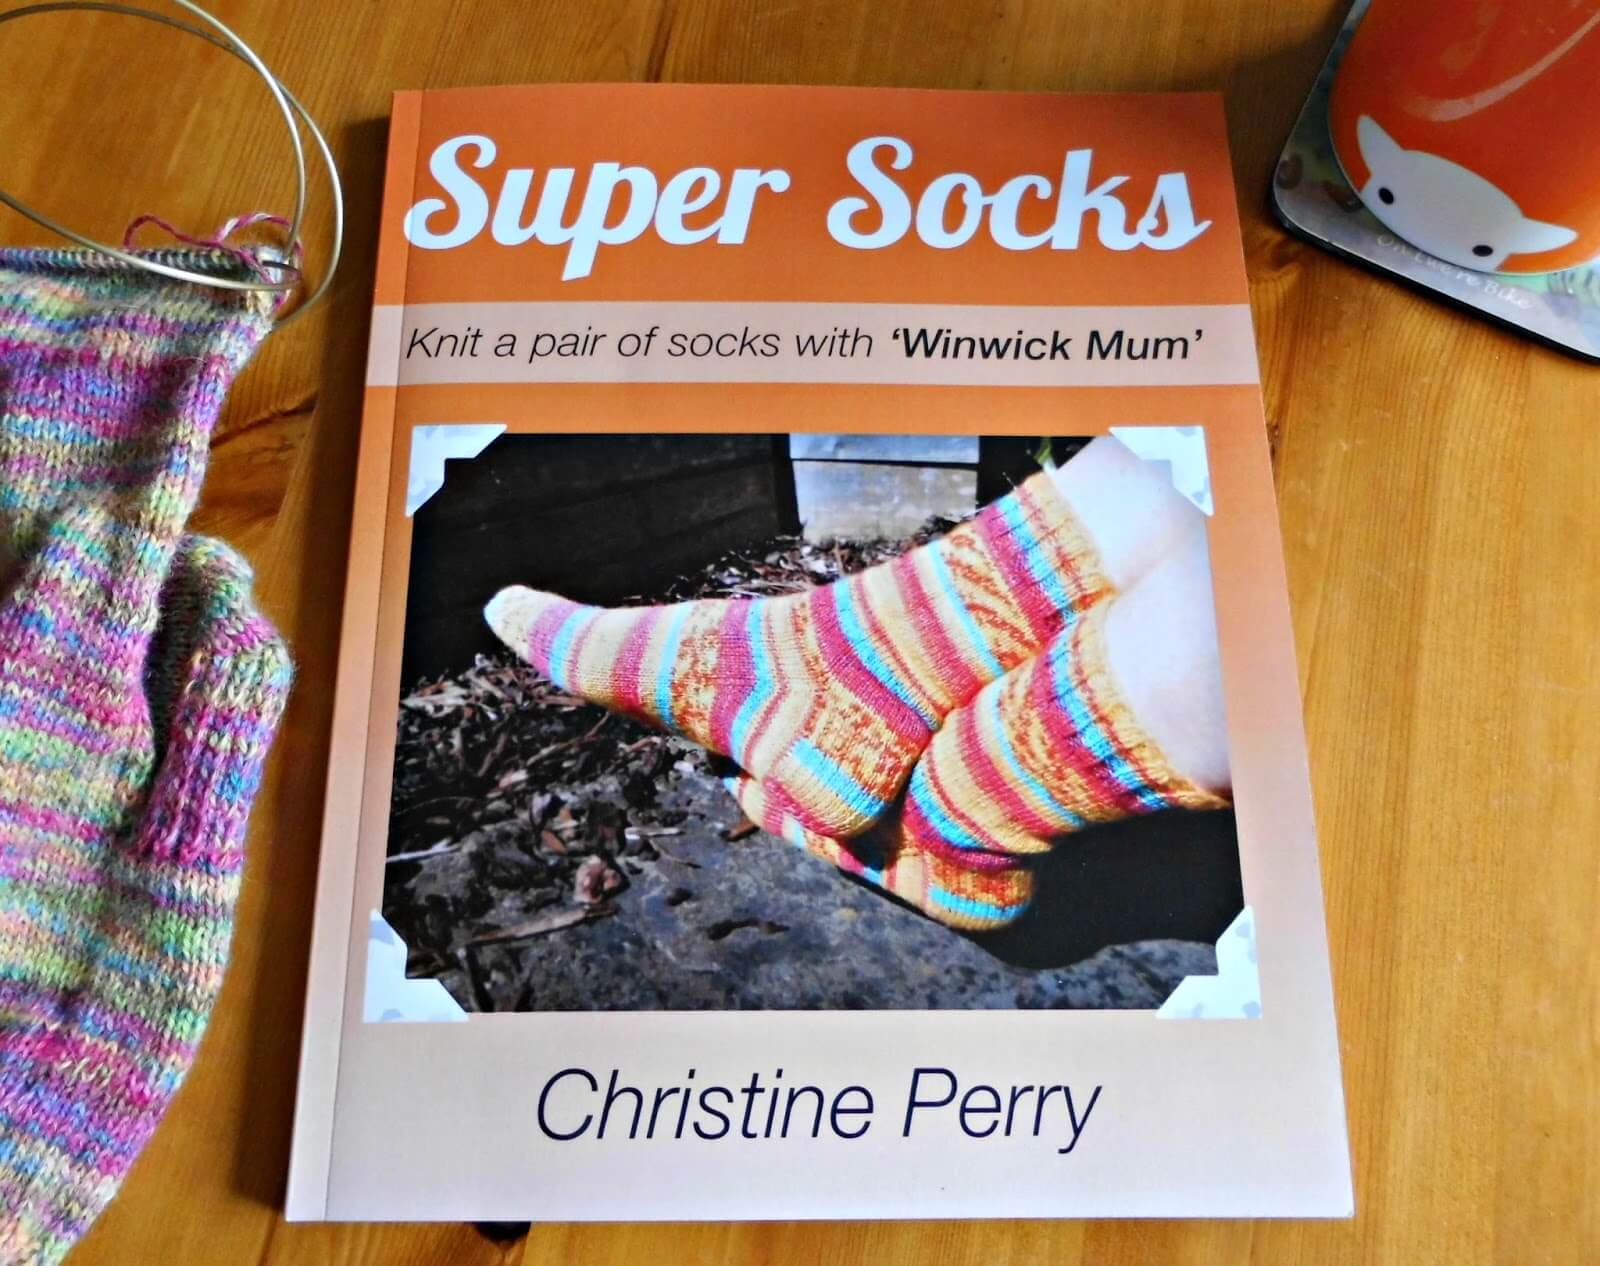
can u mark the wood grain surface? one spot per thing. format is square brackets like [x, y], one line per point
[1440, 497]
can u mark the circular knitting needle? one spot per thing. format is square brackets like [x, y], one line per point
[288, 104]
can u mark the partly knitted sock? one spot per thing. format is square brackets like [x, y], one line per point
[829, 696]
[1046, 750]
[115, 918]
[111, 380]
[127, 759]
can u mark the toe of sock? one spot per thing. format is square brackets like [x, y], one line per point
[514, 615]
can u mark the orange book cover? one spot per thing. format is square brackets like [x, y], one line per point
[817, 730]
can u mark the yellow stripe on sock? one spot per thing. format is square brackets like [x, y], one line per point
[694, 676]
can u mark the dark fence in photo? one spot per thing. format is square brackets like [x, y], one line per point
[609, 518]
[598, 518]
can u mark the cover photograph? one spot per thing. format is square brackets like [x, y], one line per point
[817, 730]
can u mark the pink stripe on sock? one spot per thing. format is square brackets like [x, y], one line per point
[958, 676]
[856, 677]
[978, 756]
[628, 681]
[736, 674]
[1024, 588]
[926, 836]
[542, 634]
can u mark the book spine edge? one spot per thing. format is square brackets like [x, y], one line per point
[328, 989]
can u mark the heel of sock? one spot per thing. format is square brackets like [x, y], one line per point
[970, 899]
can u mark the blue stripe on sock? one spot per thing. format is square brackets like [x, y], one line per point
[989, 701]
[855, 632]
[1089, 732]
[968, 905]
[750, 709]
[669, 662]
[561, 646]
[836, 780]
[1033, 556]
[947, 585]
[922, 795]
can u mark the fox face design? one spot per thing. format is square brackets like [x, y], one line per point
[1448, 209]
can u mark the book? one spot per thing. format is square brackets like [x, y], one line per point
[816, 730]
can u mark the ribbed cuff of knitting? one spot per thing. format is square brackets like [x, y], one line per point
[227, 697]
[1057, 552]
[1119, 751]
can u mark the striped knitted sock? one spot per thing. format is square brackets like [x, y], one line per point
[110, 382]
[115, 924]
[138, 691]
[829, 696]
[1046, 750]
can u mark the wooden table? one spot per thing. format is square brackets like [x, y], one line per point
[1440, 491]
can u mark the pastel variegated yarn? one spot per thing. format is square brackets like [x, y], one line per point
[139, 692]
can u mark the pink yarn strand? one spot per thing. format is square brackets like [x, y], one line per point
[250, 256]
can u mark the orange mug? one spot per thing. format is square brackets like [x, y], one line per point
[1471, 128]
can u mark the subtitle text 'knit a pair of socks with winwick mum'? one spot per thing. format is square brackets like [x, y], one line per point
[927, 725]
[139, 692]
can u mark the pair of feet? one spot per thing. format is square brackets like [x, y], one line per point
[932, 723]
